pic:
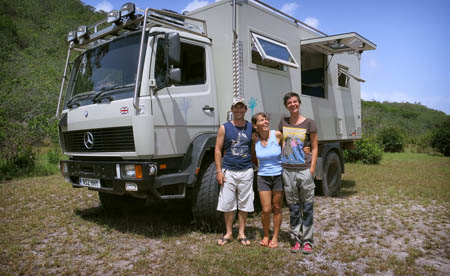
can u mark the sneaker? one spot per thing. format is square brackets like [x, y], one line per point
[307, 248]
[296, 248]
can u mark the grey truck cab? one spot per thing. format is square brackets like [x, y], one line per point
[144, 92]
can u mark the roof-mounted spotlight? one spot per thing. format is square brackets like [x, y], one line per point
[71, 36]
[113, 16]
[82, 31]
[128, 9]
[82, 34]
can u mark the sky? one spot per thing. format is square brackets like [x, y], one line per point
[412, 38]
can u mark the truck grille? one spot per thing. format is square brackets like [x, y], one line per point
[114, 139]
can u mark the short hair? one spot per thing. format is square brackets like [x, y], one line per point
[290, 95]
[255, 117]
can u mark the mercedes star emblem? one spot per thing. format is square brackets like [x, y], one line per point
[88, 140]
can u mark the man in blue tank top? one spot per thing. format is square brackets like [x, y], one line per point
[235, 171]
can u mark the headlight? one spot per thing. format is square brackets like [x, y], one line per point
[131, 171]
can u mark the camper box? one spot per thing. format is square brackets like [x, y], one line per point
[147, 92]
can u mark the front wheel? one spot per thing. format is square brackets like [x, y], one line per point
[204, 203]
[332, 171]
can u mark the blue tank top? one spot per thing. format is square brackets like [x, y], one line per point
[269, 157]
[236, 145]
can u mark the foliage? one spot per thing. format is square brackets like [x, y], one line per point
[414, 119]
[54, 155]
[366, 151]
[33, 50]
[440, 140]
[391, 139]
[17, 154]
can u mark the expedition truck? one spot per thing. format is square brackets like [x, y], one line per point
[144, 92]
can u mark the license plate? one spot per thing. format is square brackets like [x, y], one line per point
[90, 182]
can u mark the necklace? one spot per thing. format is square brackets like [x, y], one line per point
[237, 131]
[264, 141]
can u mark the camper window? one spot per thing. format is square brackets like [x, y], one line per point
[192, 65]
[343, 79]
[313, 73]
[272, 52]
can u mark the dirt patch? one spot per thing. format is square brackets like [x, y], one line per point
[49, 228]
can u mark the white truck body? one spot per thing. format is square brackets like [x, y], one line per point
[170, 129]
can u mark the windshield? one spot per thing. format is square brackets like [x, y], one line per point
[108, 66]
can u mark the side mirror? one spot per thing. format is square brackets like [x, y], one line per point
[174, 49]
[175, 75]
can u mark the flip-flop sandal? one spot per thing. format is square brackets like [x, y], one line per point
[244, 241]
[264, 243]
[273, 245]
[222, 241]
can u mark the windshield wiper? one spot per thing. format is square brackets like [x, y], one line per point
[108, 90]
[74, 100]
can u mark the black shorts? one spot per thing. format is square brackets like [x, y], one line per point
[270, 183]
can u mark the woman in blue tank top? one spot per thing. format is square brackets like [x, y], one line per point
[267, 154]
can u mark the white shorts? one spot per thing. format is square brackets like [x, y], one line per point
[236, 191]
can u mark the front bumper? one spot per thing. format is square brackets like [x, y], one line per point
[111, 180]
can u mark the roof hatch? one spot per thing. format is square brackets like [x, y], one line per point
[341, 43]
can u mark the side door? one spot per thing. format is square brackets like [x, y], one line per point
[184, 111]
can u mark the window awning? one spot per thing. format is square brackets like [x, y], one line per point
[348, 74]
[341, 43]
[273, 50]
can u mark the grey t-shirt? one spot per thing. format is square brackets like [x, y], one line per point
[295, 137]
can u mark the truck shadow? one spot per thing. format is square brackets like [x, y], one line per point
[347, 188]
[155, 220]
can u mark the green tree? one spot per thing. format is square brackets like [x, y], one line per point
[440, 140]
[366, 151]
[392, 139]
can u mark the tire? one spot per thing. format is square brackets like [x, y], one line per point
[116, 203]
[204, 202]
[332, 173]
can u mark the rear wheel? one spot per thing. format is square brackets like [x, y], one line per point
[204, 202]
[332, 171]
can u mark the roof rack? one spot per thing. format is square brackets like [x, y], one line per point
[99, 32]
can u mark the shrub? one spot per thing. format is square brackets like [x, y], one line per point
[391, 139]
[366, 152]
[16, 152]
[53, 156]
[440, 140]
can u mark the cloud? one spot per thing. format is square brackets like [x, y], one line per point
[196, 4]
[104, 6]
[313, 22]
[290, 8]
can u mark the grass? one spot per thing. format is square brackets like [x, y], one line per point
[402, 176]
[391, 218]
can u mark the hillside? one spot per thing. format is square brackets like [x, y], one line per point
[414, 120]
[33, 50]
